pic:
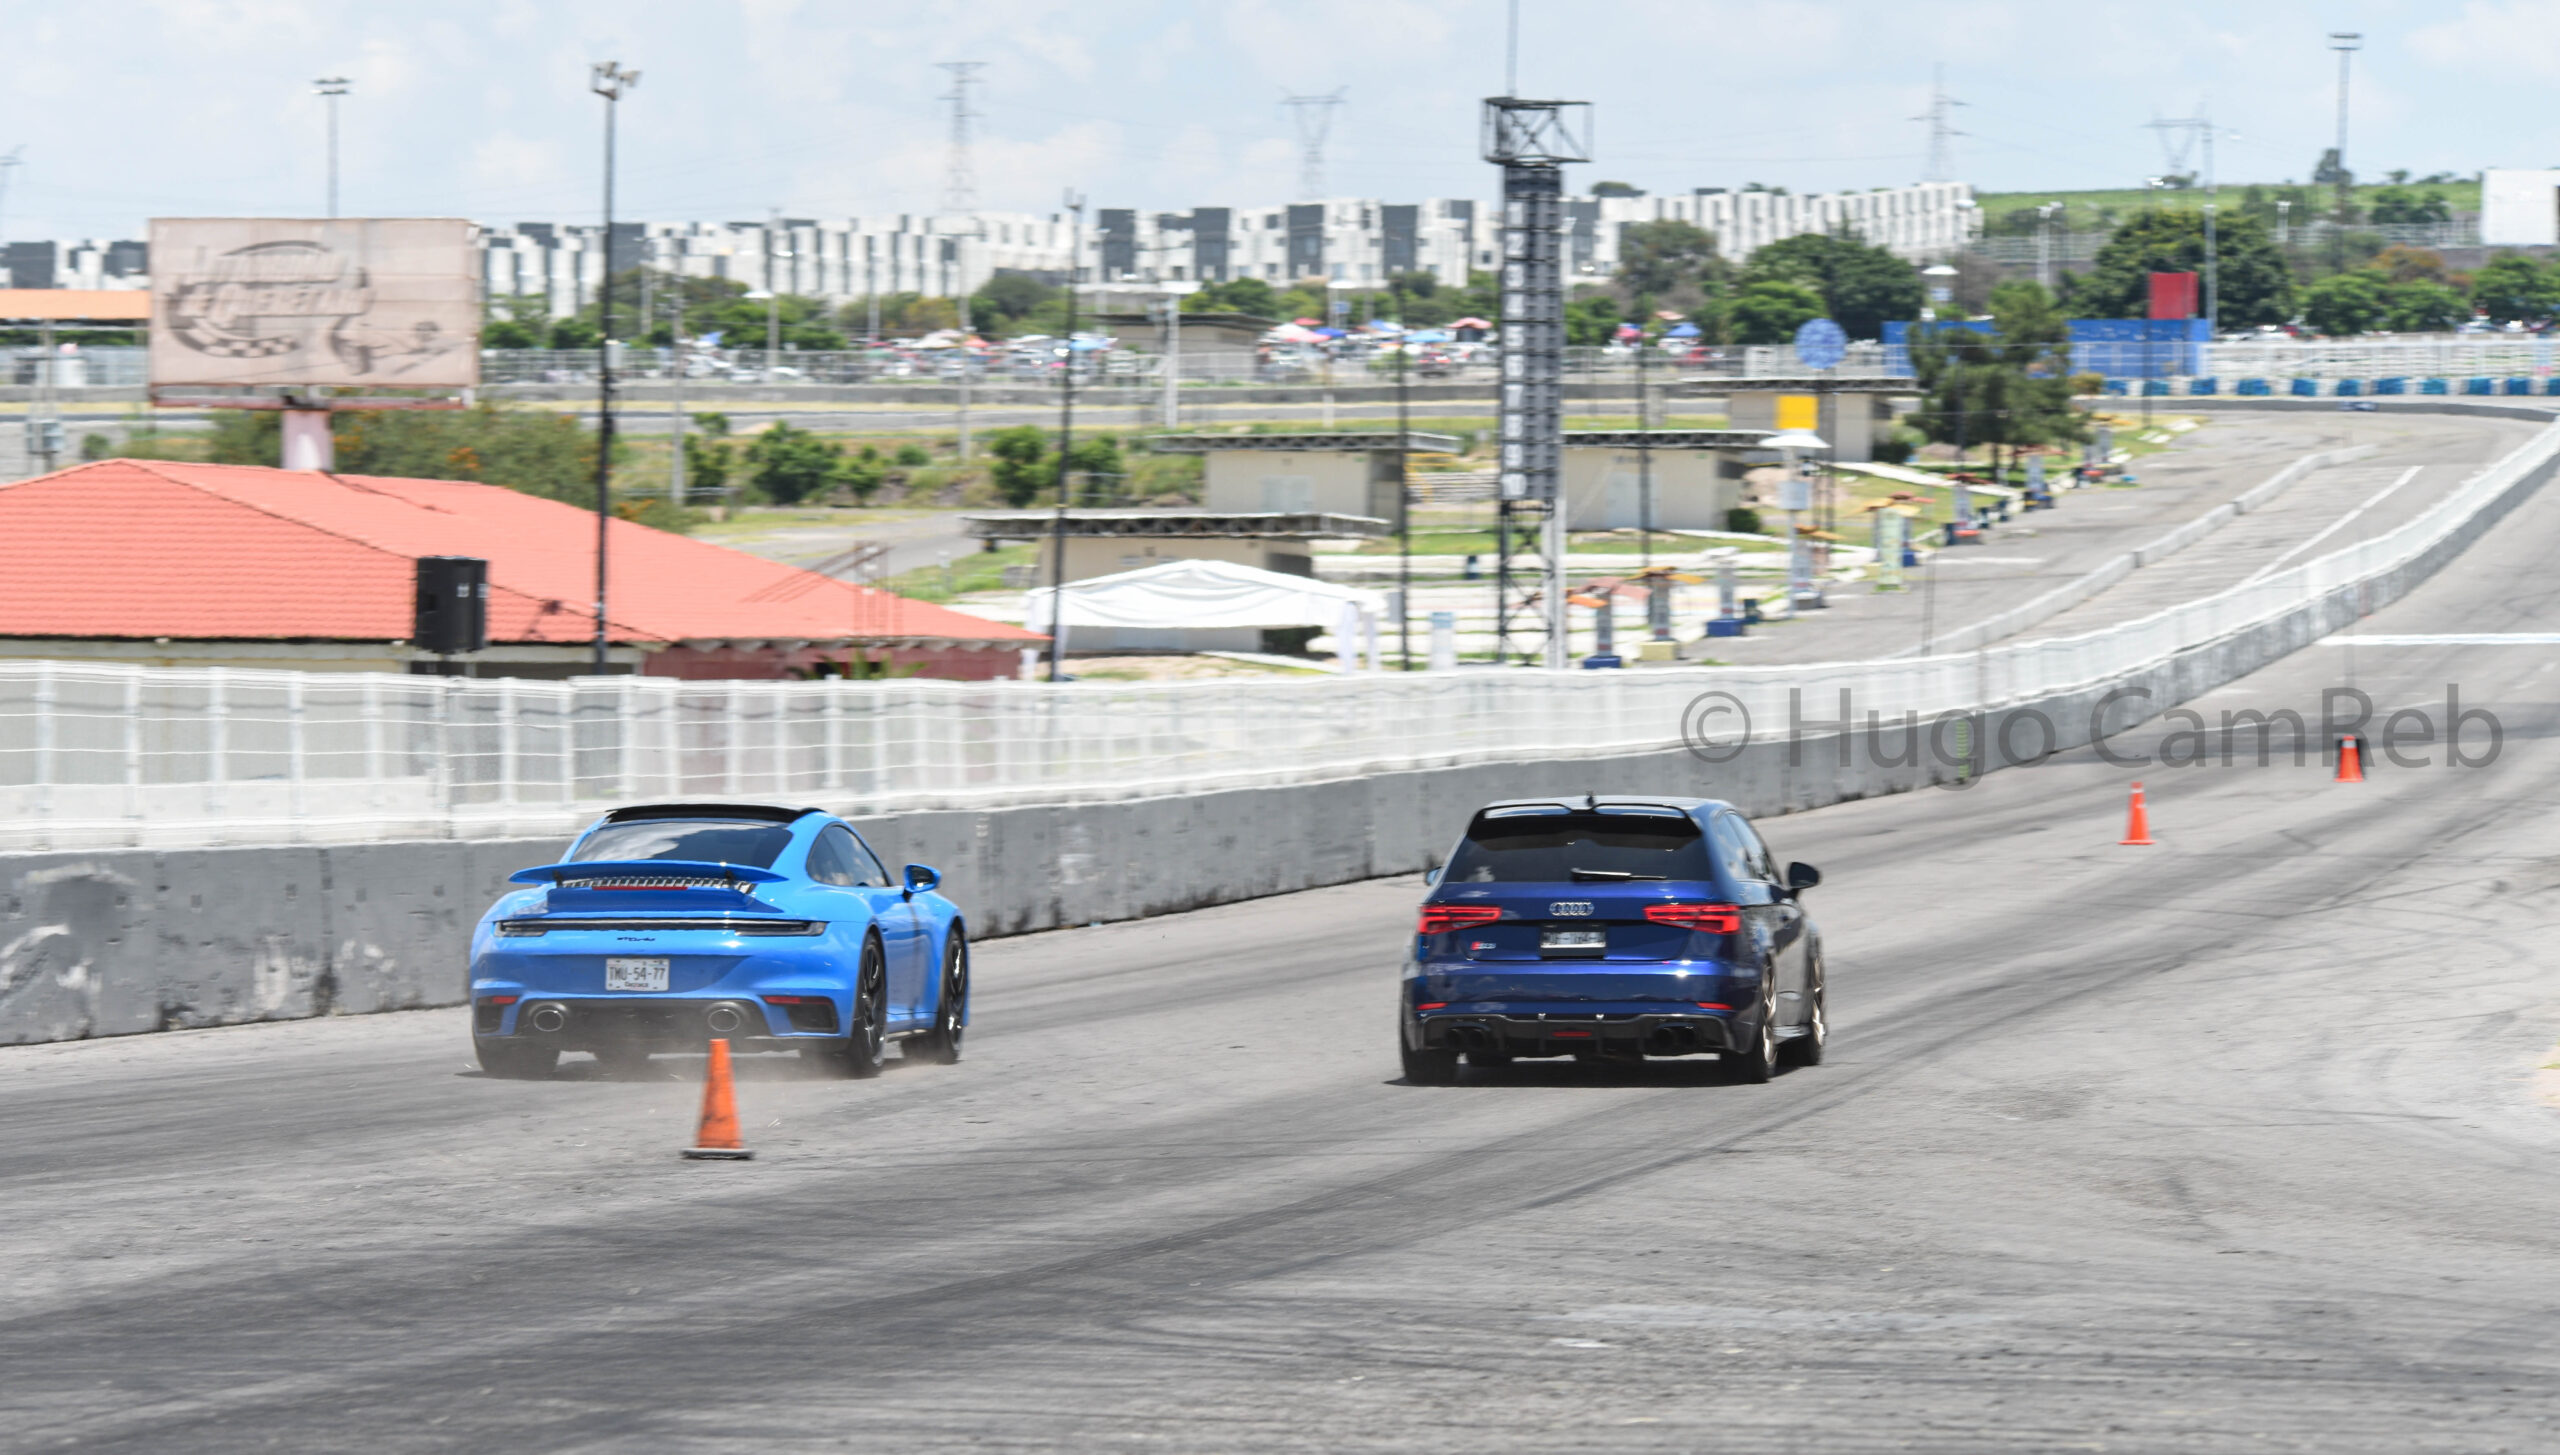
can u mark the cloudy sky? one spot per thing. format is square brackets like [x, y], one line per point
[128, 109]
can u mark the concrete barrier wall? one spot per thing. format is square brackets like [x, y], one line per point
[115, 943]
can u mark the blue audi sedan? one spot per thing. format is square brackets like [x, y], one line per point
[1612, 928]
[669, 925]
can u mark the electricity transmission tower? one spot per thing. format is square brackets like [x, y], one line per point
[1942, 129]
[1314, 116]
[8, 167]
[960, 178]
[2176, 153]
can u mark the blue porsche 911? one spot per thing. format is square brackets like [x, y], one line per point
[1613, 927]
[670, 925]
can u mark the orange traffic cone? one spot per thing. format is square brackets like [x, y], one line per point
[718, 1140]
[2350, 762]
[2137, 824]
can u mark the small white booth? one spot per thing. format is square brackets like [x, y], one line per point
[1206, 606]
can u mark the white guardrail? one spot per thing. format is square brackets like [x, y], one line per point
[98, 756]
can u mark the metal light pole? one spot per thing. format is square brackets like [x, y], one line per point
[330, 88]
[608, 80]
[1404, 481]
[1066, 443]
[2346, 43]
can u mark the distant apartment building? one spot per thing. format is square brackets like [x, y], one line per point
[1349, 242]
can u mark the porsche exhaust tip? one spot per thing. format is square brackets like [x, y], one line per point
[725, 1019]
[547, 1018]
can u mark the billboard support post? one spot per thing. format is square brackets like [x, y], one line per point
[608, 80]
[309, 444]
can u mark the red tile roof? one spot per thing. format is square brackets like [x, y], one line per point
[162, 548]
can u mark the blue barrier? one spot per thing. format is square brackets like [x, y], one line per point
[2434, 386]
[2154, 388]
[2204, 386]
[2117, 386]
[2306, 387]
[2519, 386]
[2479, 386]
[2350, 388]
[2393, 385]
[2253, 388]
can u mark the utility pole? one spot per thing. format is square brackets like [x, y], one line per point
[2346, 43]
[1404, 481]
[1942, 130]
[1314, 116]
[608, 80]
[2044, 245]
[1644, 441]
[1066, 444]
[675, 394]
[329, 89]
[1171, 365]
[774, 253]
[960, 199]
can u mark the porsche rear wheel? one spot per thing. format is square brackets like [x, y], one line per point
[518, 1060]
[866, 1043]
[951, 1011]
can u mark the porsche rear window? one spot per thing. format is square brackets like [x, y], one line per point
[1550, 847]
[703, 840]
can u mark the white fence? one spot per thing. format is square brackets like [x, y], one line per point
[98, 756]
[2429, 356]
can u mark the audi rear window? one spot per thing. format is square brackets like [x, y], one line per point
[1580, 846]
[702, 840]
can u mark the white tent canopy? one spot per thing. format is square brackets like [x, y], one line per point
[1212, 595]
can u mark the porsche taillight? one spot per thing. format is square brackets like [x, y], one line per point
[1440, 918]
[1715, 919]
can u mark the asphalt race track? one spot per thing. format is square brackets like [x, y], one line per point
[2229, 1144]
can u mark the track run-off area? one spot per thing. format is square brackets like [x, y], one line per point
[2230, 1143]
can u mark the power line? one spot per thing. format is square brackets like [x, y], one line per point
[1314, 116]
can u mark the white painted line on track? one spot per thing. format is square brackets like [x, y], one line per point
[2446, 639]
[2405, 477]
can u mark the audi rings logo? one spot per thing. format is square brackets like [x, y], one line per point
[1569, 908]
[1715, 727]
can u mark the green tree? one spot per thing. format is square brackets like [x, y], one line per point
[1591, 320]
[2423, 307]
[1022, 467]
[862, 473]
[1770, 311]
[515, 322]
[2514, 288]
[2254, 285]
[790, 465]
[2344, 304]
[1236, 295]
[1008, 299]
[1860, 287]
[2006, 385]
[1658, 259]
[1095, 465]
[2399, 204]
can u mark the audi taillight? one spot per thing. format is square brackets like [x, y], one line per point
[1440, 918]
[1715, 919]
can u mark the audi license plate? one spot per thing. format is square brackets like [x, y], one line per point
[1574, 940]
[621, 974]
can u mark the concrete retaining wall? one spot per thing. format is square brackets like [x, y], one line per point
[120, 942]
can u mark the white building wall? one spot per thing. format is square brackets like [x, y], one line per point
[2519, 208]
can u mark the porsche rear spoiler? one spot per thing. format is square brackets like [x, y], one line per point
[646, 874]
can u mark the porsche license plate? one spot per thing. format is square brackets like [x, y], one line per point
[622, 974]
[1574, 940]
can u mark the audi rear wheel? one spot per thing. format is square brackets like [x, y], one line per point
[1807, 1048]
[1435, 1066]
[1758, 1061]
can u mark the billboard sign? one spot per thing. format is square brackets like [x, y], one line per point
[345, 302]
